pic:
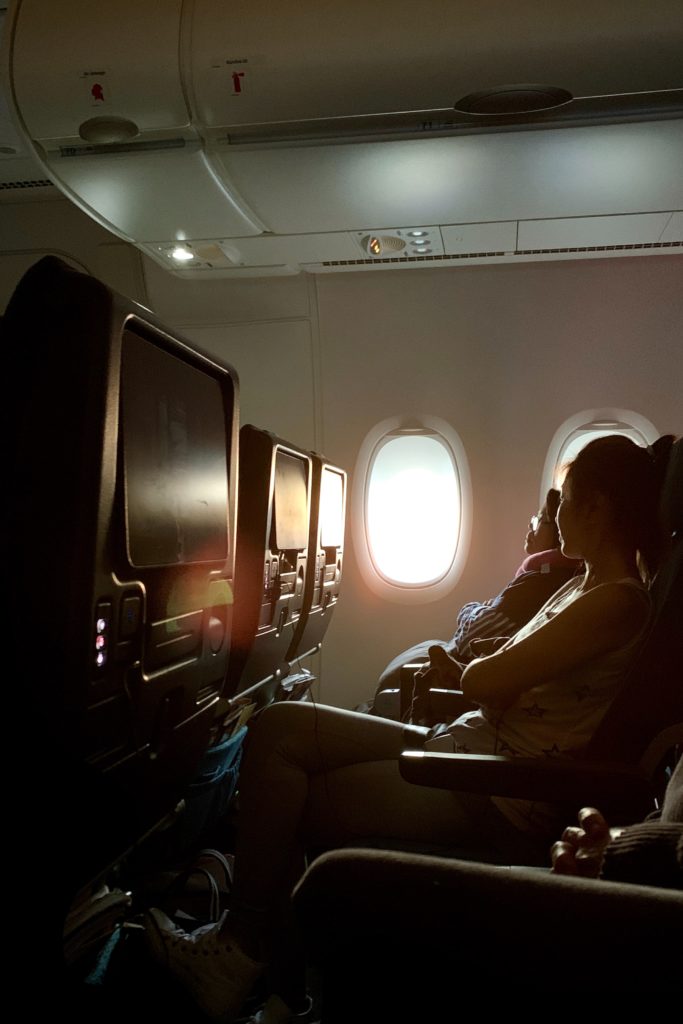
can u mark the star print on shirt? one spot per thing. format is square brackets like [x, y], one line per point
[534, 711]
[582, 691]
[505, 748]
[462, 748]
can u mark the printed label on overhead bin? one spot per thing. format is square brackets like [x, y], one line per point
[237, 84]
[96, 86]
[236, 70]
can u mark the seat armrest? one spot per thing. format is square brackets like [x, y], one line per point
[407, 673]
[504, 930]
[617, 790]
[445, 704]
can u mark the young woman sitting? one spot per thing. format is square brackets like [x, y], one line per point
[543, 571]
[318, 776]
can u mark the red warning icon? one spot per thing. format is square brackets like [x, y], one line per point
[97, 92]
[237, 77]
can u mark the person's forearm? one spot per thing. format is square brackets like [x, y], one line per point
[478, 683]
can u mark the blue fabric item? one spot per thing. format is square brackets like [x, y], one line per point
[99, 972]
[208, 798]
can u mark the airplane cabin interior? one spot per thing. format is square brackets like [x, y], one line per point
[308, 311]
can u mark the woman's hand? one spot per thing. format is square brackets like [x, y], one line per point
[448, 668]
[580, 851]
[487, 646]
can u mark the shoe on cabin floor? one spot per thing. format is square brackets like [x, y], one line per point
[276, 1011]
[217, 976]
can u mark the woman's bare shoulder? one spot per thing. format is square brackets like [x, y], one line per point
[623, 605]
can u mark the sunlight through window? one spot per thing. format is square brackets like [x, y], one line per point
[576, 432]
[413, 509]
[578, 439]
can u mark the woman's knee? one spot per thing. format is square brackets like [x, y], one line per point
[279, 720]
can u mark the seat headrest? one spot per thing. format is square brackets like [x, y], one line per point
[671, 507]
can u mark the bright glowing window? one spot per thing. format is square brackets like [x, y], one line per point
[576, 433]
[412, 509]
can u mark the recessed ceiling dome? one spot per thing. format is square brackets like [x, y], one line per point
[513, 99]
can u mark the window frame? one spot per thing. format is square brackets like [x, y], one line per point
[376, 439]
[623, 421]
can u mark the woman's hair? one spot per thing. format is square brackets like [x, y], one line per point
[552, 501]
[631, 478]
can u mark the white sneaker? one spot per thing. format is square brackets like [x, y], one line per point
[276, 1011]
[219, 977]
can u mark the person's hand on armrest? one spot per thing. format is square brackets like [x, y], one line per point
[487, 646]
[581, 849]
[449, 670]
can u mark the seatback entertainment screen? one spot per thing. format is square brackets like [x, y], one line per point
[175, 467]
[291, 502]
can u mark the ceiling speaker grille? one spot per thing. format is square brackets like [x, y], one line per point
[31, 183]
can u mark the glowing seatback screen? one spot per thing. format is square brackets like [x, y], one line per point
[174, 458]
[291, 503]
[331, 510]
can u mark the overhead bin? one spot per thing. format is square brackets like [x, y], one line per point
[72, 62]
[148, 194]
[570, 172]
[99, 92]
[256, 62]
[241, 138]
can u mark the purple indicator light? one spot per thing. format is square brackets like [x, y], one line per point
[100, 659]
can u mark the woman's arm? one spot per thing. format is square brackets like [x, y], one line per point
[599, 621]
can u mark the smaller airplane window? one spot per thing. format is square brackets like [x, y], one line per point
[578, 431]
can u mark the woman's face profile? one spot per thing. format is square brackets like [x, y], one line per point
[567, 522]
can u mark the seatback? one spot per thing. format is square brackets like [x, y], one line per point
[651, 698]
[326, 557]
[271, 559]
[121, 535]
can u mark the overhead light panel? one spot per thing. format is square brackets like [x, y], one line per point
[406, 243]
[182, 254]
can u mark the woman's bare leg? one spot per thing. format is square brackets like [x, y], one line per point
[319, 775]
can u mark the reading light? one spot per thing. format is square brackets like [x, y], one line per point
[182, 254]
[417, 234]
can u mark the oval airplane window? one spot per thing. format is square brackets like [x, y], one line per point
[412, 509]
[576, 432]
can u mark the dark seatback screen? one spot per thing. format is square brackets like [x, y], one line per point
[174, 455]
[291, 503]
